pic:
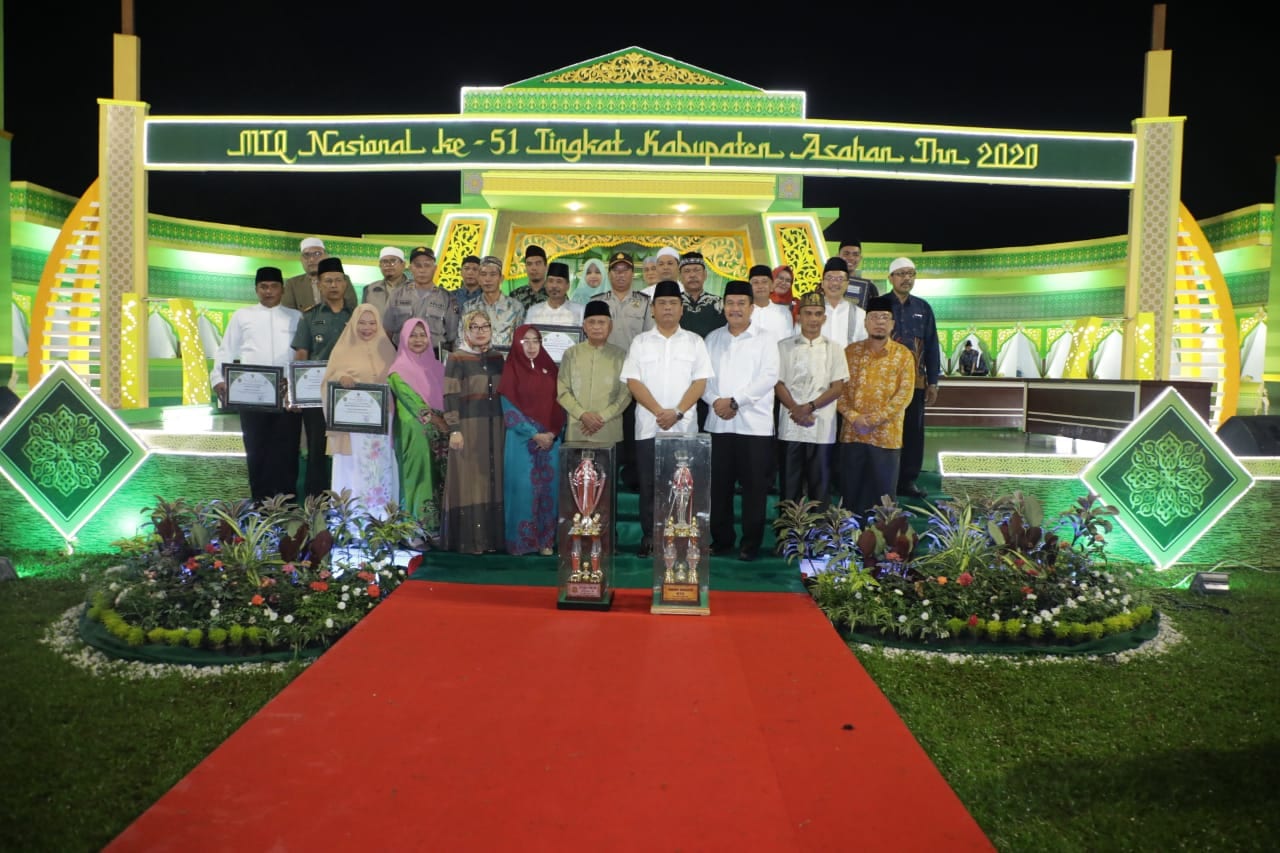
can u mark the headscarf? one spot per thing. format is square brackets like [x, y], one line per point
[531, 386]
[423, 373]
[789, 298]
[363, 361]
[464, 330]
[583, 292]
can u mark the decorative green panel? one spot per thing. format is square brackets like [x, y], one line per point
[1170, 476]
[1031, 306]
[66, 451]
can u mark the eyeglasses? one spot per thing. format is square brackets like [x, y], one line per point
[313, 253]
[478, 328]
[904, 273]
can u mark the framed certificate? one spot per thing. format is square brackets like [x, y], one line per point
[557, 339]
[305, 381]
[360, 408]
[254, 386]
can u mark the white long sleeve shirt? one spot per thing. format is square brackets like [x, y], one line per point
[257, 335]
[746, 369]
[667, 367]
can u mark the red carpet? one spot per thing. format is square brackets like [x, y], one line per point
[465, 717]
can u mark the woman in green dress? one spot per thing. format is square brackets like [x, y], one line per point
[416, 378]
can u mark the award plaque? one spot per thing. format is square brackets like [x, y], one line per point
[557, 339]
[306, 381]
[585, 535]
[681, 520]
[254, 386]
[360, 408]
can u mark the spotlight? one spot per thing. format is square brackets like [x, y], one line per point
[1207, 583]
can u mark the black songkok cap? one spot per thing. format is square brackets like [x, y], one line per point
[666, 288]
[596, 308]
[329, 265]
[534, 252]
[880, 303]
[558, 270]
[269, 274]
[692, 258]
[760, 269]
[836, 264]
[738, 288]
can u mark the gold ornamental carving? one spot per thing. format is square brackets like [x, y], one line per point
[633, 68]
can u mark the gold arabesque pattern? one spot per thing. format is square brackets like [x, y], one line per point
[634, 68]
[797, 250]
[724, 253]
[465, 237]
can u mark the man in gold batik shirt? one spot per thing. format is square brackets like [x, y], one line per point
[588, 387]
[881, 384]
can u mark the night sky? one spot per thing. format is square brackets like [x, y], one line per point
[1076, 66]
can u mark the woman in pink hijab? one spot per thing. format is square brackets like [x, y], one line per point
[416, 378]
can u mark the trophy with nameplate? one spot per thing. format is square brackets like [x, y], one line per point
[681, 579]
[586, 527]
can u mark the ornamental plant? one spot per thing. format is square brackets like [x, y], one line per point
[990, 570]
[237, 578]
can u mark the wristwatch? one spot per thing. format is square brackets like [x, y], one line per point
[679, 415]
[733, 404]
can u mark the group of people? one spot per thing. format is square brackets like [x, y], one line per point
[481, 407]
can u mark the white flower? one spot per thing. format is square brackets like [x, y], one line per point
[345, 596]
[902, 618]
[288, 619]
[858, 595]
[1036, 619]
[924, 617]
[328, 623]
[897, 592]
[213, 614]
[924, 603]
[272, 615]
[342, 605]
[995, 617]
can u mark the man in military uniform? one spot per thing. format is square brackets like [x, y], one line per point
[535, 267]
[318, 331]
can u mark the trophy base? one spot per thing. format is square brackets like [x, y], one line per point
[681, 599]
[604, 602]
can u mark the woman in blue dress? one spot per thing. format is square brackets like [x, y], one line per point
[534, 424]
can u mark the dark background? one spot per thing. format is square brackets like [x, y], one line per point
[1071, 66]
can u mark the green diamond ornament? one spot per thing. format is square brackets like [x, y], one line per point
[1170, 477]
[66, 451]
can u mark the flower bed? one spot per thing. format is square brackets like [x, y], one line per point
[990, 573]
[246, 582]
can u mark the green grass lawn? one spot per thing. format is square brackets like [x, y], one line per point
[1178, 751]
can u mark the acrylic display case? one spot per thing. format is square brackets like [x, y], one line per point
[681, 520]
[588, 514]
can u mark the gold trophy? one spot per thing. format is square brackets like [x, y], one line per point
[587, 481]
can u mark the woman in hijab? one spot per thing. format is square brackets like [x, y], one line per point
[535, 425]
[592, 282]
[363, 463]
[416, 378]
[783, 277]
[473, 521]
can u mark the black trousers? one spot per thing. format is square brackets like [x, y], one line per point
[628, 465]
[644, 450]
[806, 471]
[319, 475]
[912, 441]
[867, 473]
[271, 452]
[739, 459]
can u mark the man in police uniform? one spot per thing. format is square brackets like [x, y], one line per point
[631, 316]
[318, 332]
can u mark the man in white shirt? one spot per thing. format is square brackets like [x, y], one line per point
[765, 313]
[262, 334]
[812, 371]
[667, 369]
[740, 419]
[557, 310]
[844, 323]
